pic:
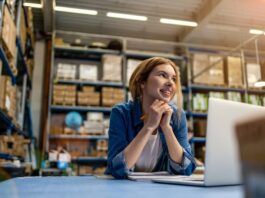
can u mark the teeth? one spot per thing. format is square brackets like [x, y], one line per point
[166, 92]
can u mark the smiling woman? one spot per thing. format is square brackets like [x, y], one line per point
[150, 133]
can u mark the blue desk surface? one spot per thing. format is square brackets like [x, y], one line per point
[90, 186]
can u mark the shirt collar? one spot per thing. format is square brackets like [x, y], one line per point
[137, 113]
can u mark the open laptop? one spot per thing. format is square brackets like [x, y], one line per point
[222, 165]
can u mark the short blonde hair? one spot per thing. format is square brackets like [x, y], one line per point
[141, 74]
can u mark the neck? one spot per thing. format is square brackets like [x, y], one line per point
[146, 103]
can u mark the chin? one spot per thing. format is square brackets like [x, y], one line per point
[167, 100]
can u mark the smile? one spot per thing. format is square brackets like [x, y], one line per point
[166, 93]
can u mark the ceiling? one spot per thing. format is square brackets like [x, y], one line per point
[220, 22]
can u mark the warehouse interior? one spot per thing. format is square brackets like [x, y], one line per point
[65, 64]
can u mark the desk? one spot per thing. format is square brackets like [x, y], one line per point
[92, 187]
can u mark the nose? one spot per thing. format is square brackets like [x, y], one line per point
[170, 82]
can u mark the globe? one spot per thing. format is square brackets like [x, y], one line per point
[73, 120]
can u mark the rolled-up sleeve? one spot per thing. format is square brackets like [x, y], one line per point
[117, 143]
[188, 164]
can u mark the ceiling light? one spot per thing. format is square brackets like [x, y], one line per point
[76, 10]
[178, 22]
[255, 31]
[33, 5]
[127, 16]
[260, 84]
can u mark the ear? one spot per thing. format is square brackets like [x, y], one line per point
[142, 85]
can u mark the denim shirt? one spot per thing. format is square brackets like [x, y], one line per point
[125, 123]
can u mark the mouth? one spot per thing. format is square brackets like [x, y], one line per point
[166, 92]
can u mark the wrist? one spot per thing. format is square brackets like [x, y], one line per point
[166, 128]
[149, 129]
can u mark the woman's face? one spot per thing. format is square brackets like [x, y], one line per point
[161, 83]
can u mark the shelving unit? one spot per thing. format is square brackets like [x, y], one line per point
[16, 126]
[200, 118]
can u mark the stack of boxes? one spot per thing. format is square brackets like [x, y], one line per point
[253, 73]
[7, 97]
[234, 75]
[88, 96]
[14, 145]
[200, 102]
[112, 68]
[30, 28]
[234, 96]
[66, 71]
[93, 125]
[9, 39]
[88, 72]
[102, 148]
[131, 66]
[64, 95]
[23, 31]
[213, 76]
[112, 96]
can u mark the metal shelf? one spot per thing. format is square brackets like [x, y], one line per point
[8, 122]
[96, 83]
[72, 52]
[90, 160]
[86, 137]
[197, 140]
[253, 91]
[7, 66]
[195, 114]
[141, 55]
[80, 108]
[214, 88]
[25, 68]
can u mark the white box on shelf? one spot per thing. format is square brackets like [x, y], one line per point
[131, 66]
[253, 73]
[95, 116]
[111, 67]
[88, 72]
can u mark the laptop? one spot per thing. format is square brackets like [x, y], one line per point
[222, 166]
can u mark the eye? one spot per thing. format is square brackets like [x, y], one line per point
[174, 79]
[163, 75]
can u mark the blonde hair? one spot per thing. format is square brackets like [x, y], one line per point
[141, 74]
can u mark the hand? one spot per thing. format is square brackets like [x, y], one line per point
[166, 117]
[155, 113]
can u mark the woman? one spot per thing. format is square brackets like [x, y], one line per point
[150, 134]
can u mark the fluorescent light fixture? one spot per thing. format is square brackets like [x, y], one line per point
[255, 31]
[178, 22]
[76, 10]
[126, 16]
[222, 27]
[260, 84]
[33, 5]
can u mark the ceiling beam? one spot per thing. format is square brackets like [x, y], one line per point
[205, 14]
[48, 15]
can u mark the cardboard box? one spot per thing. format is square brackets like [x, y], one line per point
[253, 73]
[233, 70]
[216, 73]
[23, 31]
[9, 34]
[112, 67]
[131, 66]
[88, 72]
[200, 62]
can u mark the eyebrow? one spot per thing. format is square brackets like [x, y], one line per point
[166, 73]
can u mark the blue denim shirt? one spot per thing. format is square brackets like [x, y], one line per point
[125, 123]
